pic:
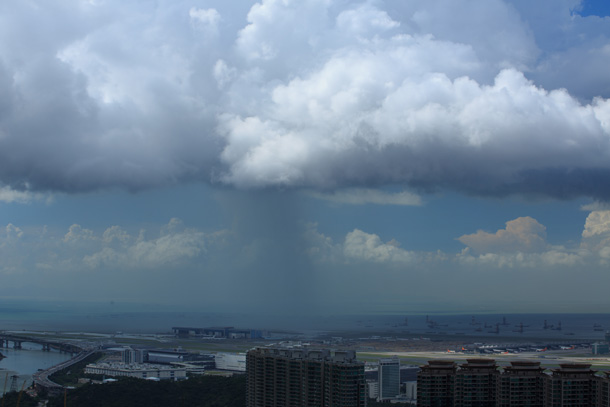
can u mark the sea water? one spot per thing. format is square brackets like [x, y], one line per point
[25, 362]
[145, 318]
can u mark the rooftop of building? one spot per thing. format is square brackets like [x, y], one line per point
[479, 362]
[440, 364]
[303, 353]
[523, 365]
[389, 361]
[575, 366]
[132, 367]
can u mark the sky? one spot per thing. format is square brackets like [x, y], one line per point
[307, 157]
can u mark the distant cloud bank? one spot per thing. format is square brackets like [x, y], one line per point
[179, 262]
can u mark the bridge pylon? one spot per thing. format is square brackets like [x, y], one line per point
[14, 379]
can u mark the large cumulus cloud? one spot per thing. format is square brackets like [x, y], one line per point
[482, 96]
[523, 234]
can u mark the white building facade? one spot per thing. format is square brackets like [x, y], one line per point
[231, 361]
[140, 371]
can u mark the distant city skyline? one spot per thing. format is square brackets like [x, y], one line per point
[307, 157]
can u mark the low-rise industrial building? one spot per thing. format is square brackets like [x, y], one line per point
[140, 371]
[235, 362]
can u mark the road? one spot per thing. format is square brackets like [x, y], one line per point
[41, 378]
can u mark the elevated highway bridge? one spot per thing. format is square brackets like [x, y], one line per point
[6, 340]
[41, 378]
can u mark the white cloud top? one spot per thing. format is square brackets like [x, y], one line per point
[598, 223]
[521, 235]
[360, 245]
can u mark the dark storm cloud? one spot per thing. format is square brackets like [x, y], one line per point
[136, 125]
[317, 94]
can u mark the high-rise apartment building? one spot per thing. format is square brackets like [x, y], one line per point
[573, 385]
[279, 377]
[475, 383]
[521, 384]
[389, 378]
[479, 383]
[603, 391]
[436, 384]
